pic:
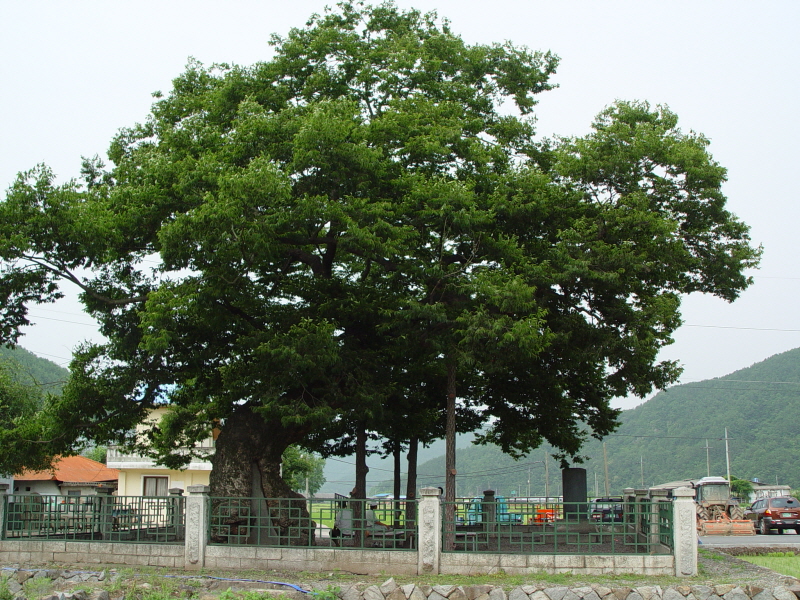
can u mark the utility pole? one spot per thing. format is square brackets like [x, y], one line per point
[529, 482]
[641, 465]
[605, 464]
[727, 455]
[708, 460]
[546, 479]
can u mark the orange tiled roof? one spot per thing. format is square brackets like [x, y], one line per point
[73, 469]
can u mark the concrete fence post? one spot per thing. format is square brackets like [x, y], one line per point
[489, 511]
[629, 509]
[3, 492]
[684, 525]
[109, 517]
[430, 532]
[640, 497]
[176, 512]
[656, 497]
[196, 527]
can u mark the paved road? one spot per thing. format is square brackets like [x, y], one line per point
[787, 539]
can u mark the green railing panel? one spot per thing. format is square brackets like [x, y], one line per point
[666, 530]
[527, 527]
[151, 519]
[297, 522]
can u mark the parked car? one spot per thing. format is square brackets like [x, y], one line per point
[775, 513]
[607, 510]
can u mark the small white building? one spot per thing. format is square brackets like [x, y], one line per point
[768, 491]
[140, 476]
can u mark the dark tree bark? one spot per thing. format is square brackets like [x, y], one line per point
[361, 483]
[397, 483]
[411, 484]
[450, 456]
[246, 471]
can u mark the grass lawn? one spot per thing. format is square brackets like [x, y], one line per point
[785, 563]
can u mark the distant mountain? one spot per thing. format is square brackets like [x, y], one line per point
[665, 439]
[31, 369]
[666, 436]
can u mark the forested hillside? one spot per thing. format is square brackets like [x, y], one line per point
[30, 369]
[667, 434]
[665, 439]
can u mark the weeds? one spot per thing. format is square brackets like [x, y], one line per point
[329, 593]
[36, 587]
[5, 593]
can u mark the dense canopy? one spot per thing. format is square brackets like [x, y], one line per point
[347, 236]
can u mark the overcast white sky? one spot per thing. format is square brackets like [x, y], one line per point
[72, 73]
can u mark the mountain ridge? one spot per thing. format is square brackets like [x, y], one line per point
[665, 439]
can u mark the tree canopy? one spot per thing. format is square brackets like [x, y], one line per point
[281, 249]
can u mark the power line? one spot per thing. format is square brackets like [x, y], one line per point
[740, 328]
[63, 321]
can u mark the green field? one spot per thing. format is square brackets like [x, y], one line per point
[785, 563]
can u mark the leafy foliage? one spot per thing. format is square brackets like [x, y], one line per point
[299, 467]
[667, 436]
[22, 396]
[741, 488]
[365, 217]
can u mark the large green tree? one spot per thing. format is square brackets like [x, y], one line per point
[282, 249]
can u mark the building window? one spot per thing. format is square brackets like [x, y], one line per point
[73, 493]
[155, 486]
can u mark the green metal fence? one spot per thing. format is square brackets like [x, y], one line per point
[343, 523]
[524, 527]
[151, 519]
[666, 531]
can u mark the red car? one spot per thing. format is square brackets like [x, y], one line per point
[775, 513]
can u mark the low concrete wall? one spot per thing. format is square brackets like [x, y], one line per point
[64, 552]
[325, 559]
[311, 559]
[578, 564]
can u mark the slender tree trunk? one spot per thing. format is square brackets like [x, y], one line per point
[361, 484]
[411, 484]
[246, 471]
[450, 457]
[397, 484]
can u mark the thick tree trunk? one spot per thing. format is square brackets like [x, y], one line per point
[397, 484]
[450, 456]
[247, 485]
[411, 484]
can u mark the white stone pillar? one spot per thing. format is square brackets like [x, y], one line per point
[196, 527]
[684, 523]
[429, 524]
[176, 501]
[3, 492]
